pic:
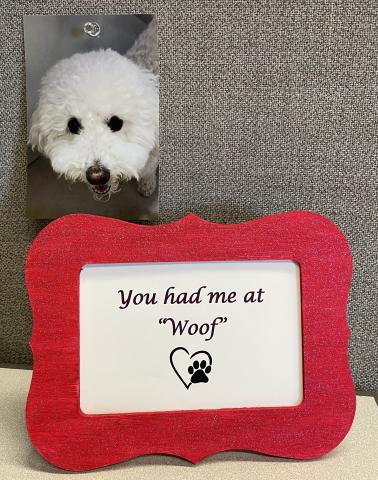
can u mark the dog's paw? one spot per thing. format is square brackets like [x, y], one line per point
[199, 372]
[147, 186]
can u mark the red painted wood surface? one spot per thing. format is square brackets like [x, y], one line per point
[72, 440]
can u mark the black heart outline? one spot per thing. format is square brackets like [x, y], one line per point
[190, 357]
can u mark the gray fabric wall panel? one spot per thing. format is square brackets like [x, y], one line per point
[265, 107]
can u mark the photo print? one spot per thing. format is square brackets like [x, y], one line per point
[93, 115]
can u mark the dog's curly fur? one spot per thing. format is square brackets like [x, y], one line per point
[92, 88]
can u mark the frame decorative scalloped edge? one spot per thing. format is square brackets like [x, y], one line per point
[71, 440]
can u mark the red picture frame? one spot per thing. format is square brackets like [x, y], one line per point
[71, 440]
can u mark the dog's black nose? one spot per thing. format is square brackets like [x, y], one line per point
[97, 175]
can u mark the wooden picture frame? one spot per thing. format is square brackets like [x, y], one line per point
[72, 440]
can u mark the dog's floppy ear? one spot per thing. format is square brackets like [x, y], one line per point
[38, 132]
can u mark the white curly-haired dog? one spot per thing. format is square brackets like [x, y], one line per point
[97, 117]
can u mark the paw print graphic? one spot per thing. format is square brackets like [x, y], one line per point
[199, 371]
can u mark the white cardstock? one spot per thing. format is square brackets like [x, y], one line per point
[186, 336]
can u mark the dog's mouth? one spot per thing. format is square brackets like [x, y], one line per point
[101, 189]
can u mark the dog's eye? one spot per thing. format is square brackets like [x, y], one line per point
[74, 126]
[115, 124]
